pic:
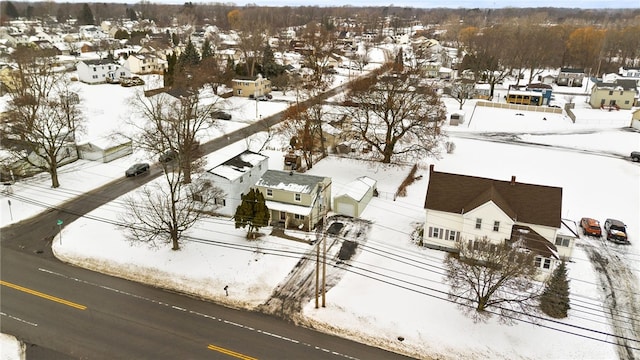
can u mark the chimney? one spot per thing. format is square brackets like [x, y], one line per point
[513, 180]
[431, 168]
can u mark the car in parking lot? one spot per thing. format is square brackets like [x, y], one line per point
[590, 227]
[616, 231]
[137, 169]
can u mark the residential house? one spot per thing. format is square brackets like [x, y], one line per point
[635, 119]
[145, 63]
[295, 200]
[251, 88]
[105, 149]
[101, 71]
[466, 208]
[235, 177]
[621, 94]
[570, 77]
[355, 197]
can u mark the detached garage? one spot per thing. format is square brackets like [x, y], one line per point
[354, 198]
[105, 149]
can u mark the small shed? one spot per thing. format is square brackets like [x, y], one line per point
[355, 197]
[105, 149]
[456, 118]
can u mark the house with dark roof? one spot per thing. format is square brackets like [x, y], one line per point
[466, 208]
[235, 177]
[570, 77]
[100, 71]
[296, 201]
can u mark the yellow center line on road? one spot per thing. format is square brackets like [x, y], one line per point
[230, 353]
[43, 295]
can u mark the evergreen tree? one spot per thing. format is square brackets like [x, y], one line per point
[30, 11]
[270, 69]
[175, 39]
[206, 49]
[172, 59]
[253, 212]
[86, 15]
[398, 65]
[131, 14]
[554, 301]
[189, 57]
[11, 11]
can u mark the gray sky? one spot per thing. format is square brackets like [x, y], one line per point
[584, 4]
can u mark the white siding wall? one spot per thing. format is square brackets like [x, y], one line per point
[488, 212]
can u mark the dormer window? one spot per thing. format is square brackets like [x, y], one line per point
[298, 197]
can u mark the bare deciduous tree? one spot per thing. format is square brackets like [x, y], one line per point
[487, 278]
[303, 126]
[461, 91]
[44, 113]
[396, 116]
[173, 121]
[161, 212]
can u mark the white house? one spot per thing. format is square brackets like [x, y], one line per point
[466, 208]
[100, 71]
[355, 197]
[235, 177]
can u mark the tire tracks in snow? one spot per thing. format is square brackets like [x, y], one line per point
[621, 293]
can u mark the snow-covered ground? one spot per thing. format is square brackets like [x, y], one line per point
[392, 288]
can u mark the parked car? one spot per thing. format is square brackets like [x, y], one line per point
[221, 115]
[635, 156]
[137, 169]
[262, 98]
[616, 231]
[168, 156]
[590, 227]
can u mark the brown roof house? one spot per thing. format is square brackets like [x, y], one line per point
[461, 207]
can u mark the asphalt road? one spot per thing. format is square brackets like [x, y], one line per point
[65, 312]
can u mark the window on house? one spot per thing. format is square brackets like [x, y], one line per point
[269, 192]
[297, 197]
[496, 226]
[538, 262]
[547, 264]
[95, 69]
[197, 197]
[453, 235]
[298, 217]
[241, 179]
[436, 233]
[611, 92]
[478, 223]
[563, 242]
[222, 202]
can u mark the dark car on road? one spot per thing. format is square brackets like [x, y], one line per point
[635, 156]
[168, 156]
[137, 169]
[616, 231]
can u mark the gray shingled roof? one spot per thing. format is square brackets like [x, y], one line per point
[292, 181]
[525, 203]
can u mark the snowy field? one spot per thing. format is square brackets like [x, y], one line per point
[406, 296]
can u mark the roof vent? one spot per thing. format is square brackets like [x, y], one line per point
[513, 180]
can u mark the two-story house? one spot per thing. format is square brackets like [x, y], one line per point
[145, 63]
[296, 201]
[235, 177]
[100, 71]
[251, 88]
[621, 94]
[466, 208]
